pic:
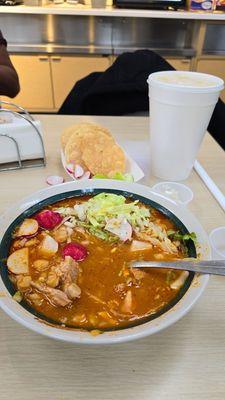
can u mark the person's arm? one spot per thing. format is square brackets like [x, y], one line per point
[9, 81]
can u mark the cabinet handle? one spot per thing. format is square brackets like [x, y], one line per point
[43, 58]
[56, 58]
[185, 61]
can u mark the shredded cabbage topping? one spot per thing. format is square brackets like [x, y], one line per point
[96, 213]
[106, 205]
[110, 217]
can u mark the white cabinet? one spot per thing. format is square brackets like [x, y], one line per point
[45, 81]
[180, 64]
[67, 70]
[35, 82]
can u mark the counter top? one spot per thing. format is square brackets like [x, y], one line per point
[79, 9]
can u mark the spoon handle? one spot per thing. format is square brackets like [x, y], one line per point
[214, 267]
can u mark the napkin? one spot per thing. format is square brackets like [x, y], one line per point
[27, 139]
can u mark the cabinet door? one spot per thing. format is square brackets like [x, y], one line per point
[215, 67]
[35, 82]
[67, 70]
[180, 64]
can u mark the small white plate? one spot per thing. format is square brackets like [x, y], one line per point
[131, 168]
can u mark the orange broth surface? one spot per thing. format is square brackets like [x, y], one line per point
[104, 279]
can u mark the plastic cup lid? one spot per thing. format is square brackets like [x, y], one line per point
[217, 241]
[204, 82]
[178, 192]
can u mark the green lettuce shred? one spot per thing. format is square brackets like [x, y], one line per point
[103, 235]
[108, 205]
[183, 237]
[100, 176]
[118, 176]
[18, 296]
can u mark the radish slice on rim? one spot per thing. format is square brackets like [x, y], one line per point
[78, 171]
[48, 219]
[70, 168]
[28, 228]
[86, 175]
[48, 247]
[75, 250]
[18, 262]
[54, 180]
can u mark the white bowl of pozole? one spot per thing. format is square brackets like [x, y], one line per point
[65, 253]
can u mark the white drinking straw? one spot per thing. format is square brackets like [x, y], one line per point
[213, 188]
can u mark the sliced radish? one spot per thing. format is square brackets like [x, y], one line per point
[48, 219]
[78, 171]
[70, 168]
[119, 227]
[75, 250]
[18, 262]
[48, 247]
[28, 228]
[54, 180]
[86, 175]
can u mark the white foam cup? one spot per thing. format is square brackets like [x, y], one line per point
[181, 105]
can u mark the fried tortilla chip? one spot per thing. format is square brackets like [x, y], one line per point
[104, 159]
[80, 127]
[74, 156]
[85, 135]
[94, 148]
[66, 135]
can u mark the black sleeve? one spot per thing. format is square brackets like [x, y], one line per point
[9, 81]
[217, 124]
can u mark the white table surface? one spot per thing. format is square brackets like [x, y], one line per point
[184, 362]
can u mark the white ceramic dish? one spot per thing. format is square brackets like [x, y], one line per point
[131, 168]
[21, 315]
